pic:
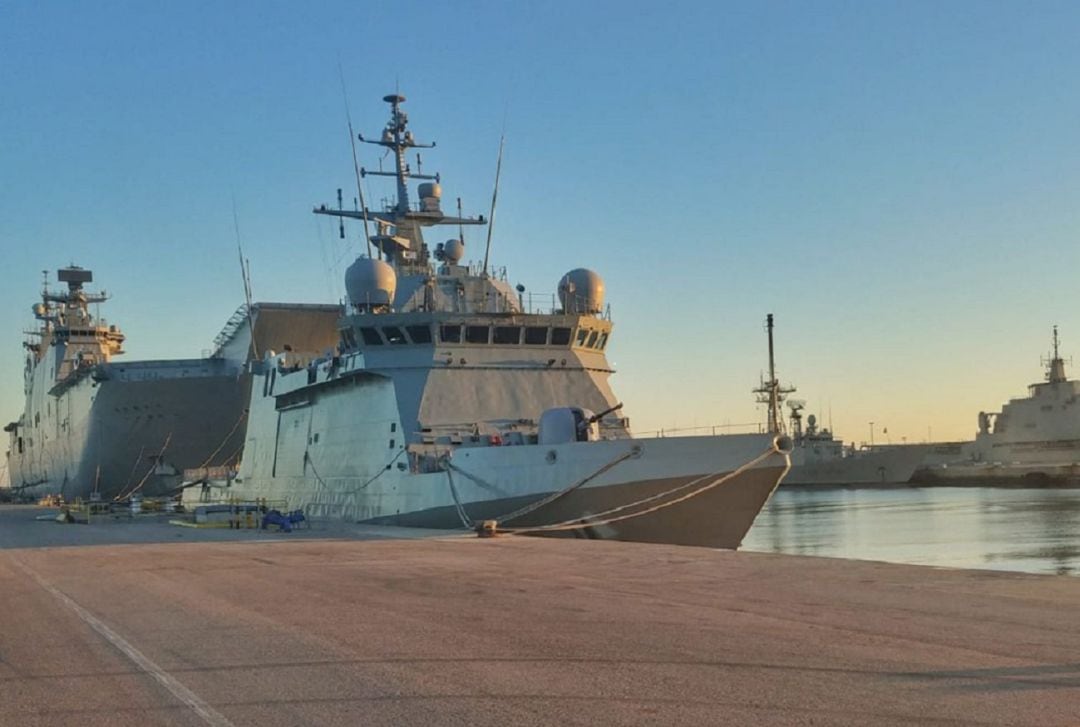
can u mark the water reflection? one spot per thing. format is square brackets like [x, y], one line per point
[1032, 530]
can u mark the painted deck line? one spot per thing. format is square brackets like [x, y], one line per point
[208, 714]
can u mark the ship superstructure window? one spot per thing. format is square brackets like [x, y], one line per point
[592, 339]
[476, 334]
[535, 335]
[419, 334]
[450, 334]
[371, 337]
[582, 334]
[603, 341]
[560, 336]
[507, 335]
[394, 335]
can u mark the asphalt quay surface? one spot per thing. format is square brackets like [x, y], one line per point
[375, 630]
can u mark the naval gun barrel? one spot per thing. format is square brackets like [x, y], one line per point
[597, 417]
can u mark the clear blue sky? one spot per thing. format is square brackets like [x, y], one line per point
[897, 182]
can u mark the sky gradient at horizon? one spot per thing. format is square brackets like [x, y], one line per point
[896, 182]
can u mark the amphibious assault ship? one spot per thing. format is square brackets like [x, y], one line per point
[94, 427]
[449, 402]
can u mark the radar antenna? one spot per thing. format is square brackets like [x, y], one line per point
[399, 225]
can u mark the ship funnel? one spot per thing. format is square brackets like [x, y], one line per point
[371, 285]
[581, 291]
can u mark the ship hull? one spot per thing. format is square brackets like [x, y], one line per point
[717, 518]
[1016, 475]
[887, 466]
[128, 429]
[489, 482]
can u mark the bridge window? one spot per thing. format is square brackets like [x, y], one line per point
[592, 339]
[450, 334]
[419, 334]
[582, 334]
[394, 335]
[476, 334]
[507, 335]
[560, 336]
[535, 335]
[603, 341]
[371, 337]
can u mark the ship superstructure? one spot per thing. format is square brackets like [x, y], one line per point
[448, 401]
[1035, 438]
[94, 426]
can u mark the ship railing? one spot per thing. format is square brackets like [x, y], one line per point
[711, 430]
[238, 318]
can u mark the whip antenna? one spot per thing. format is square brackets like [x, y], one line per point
[245, 272]
[356, 164]
[494, 198]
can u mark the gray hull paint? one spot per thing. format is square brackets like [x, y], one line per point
[108, 433]
[890, 466]
[718, 518]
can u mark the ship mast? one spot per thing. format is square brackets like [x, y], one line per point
[399, 237]
[1055, 371]
[770, 392]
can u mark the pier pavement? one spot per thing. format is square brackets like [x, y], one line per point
[353, 627]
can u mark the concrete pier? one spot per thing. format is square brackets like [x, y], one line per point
[354, 628]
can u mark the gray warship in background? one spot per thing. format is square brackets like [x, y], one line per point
[818, 458]
[94, 427]
[449, 402]
[1033, 439]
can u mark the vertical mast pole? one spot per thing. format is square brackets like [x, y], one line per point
[774, 394]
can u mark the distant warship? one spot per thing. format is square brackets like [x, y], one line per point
[1033, 439]
[94, 427]
[448, 402]
[818, 457]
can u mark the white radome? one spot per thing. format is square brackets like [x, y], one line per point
[581, 291]
[370, 283]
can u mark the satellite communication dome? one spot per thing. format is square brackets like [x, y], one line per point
[39, 309]
[581, 291]
[811, 420]
[454, 250]
[370, 283]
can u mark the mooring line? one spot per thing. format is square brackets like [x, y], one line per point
[209, 715]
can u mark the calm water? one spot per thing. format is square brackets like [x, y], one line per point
[1032, 530]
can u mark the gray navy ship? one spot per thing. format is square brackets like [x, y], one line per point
[818, 458]
[1033, 439]
[448, 402]
[97, 427]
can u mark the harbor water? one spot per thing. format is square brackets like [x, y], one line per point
[1034, 530]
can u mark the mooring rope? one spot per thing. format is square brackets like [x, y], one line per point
[213, 454]
[465, 520]
[604, 519]
[635, 451]
[157, 461]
